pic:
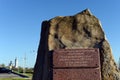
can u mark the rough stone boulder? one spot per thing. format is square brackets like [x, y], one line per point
[82, 30]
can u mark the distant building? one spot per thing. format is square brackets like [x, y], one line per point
[10, 65]
[16, 63]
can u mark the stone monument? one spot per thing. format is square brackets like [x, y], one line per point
[80, 31]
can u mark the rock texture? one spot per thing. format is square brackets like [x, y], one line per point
[82, 30]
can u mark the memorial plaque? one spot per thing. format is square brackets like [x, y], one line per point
[64, 58]
[76, 74]
[76, 64]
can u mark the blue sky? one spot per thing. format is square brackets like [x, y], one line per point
[20, 24]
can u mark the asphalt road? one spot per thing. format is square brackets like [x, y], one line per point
[6, 73]
[9, 75]
[12, 75]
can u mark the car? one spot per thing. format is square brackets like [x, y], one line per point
[5, 70]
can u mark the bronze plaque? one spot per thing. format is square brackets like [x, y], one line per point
[76, 74]
[76, 58]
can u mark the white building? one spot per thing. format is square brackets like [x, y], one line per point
[16, 63]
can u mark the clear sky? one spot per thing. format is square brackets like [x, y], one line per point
[20, 24]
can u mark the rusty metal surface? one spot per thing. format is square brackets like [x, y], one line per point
[76, 74]
[76, 58]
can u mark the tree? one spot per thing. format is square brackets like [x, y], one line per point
[2, 65]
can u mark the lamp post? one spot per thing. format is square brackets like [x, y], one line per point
[26, 59]
[24, 63]
[119, 64]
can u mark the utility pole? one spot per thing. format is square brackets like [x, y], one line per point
[119, 64]
[24, 63]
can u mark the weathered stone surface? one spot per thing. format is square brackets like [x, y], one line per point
[82, 30]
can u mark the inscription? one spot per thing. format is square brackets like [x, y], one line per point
[76, 58]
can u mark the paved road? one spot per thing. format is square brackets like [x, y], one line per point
[6, 73]
[12, 75]
[9, 75]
